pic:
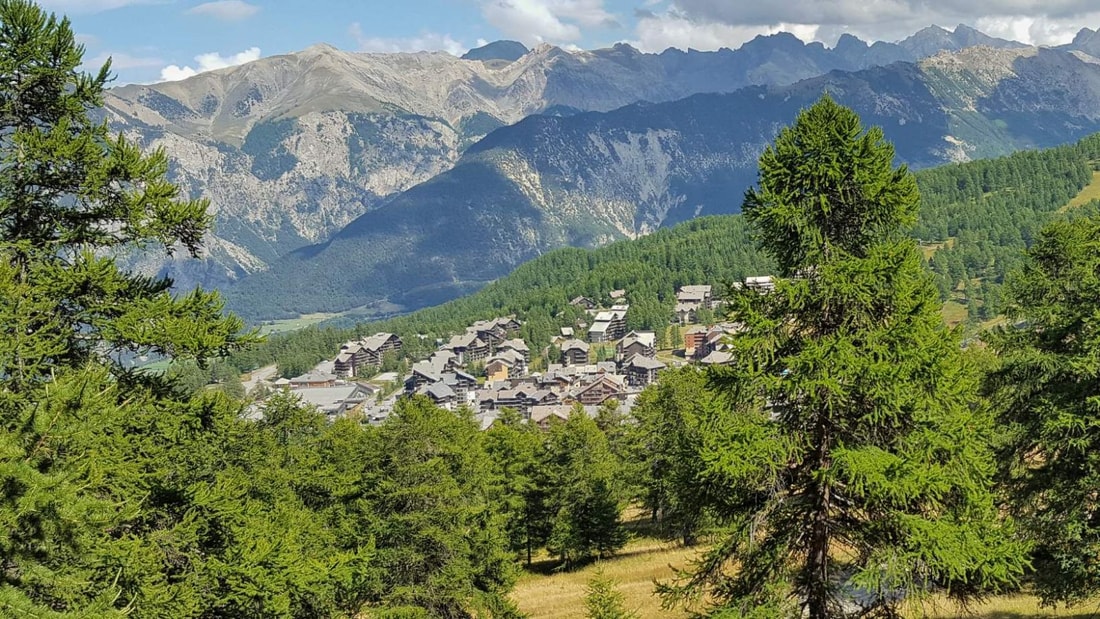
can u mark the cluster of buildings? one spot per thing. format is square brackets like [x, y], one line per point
[487, 368]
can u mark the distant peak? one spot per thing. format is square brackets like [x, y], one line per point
[320, 48]
[497, 50]
[625, 48]
[1083, 36]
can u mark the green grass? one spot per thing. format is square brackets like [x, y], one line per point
[954, 313]
[293, 324]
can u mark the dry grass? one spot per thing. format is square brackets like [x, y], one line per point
[1088, 194]
[561, 595]
[1009, 607]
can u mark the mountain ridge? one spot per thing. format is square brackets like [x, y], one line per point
[291, 148]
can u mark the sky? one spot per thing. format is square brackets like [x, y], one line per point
[157, 40]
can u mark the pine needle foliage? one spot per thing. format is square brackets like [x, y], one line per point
[855, 469]
[1047, 392]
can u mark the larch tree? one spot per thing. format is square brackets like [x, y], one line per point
[854, 466]
[1047, 394]
[81, 436]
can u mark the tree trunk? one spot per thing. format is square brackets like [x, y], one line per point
[817, 563]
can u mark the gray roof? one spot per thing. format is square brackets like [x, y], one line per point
[313, 376]
[439, 391]
[376, 341]
[514, 344]
[572, 344]
[329, 399]
[716, 358]
[645, 363]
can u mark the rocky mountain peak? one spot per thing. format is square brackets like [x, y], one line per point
[508, 51]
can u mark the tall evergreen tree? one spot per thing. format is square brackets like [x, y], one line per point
[94, 516]
[855, 469]
[1047, 391]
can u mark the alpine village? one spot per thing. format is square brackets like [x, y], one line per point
[783, 328]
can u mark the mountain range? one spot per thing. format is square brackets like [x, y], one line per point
[341, 179]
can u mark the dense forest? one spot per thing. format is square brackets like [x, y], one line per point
[851, 458]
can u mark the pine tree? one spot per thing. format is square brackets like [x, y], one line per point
[583, 491]
[91, 522]
[855, 469]
[603, 601]
[1046, 392]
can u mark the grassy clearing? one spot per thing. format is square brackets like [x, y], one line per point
[954, 313]
[293, 324]
[1009, 607]
[1088, 194]
[561, 595]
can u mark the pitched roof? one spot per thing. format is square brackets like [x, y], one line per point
[313, 376]
[717, 357]
[438, 391]
[377, 340]
[645, 363]
[574, 344]
[514, 344]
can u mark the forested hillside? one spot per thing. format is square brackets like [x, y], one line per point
[976, 219]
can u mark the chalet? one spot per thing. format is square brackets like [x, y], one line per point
[695, 294]
[584, 302]
[517, 345]
[440, 394]
[356, 356]
[760, 283]
[636, 343]
[513, 360]
[545, 416]
[467, 348]
[641, 370]
[464, 385]
[489, 332]
[609, 326]
[686, 311]
[334, 401]
[497, 369]
[718, 357]
[422, 373]
[574, 352]
[313, 380]
[596, 392]
[617, 294]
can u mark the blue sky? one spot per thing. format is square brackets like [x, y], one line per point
[152, 40]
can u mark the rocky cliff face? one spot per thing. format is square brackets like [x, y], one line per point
[591, 178]
[290, 149]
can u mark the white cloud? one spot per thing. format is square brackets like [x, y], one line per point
[1036, 30]
[539, 21]
[208, 62]
[656, 33]
[225, 10]
[426, 41]
[1028, 21]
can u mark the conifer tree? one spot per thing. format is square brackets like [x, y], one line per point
[603, 601]
[854, 468]
[86, 482]
[1046, 392]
